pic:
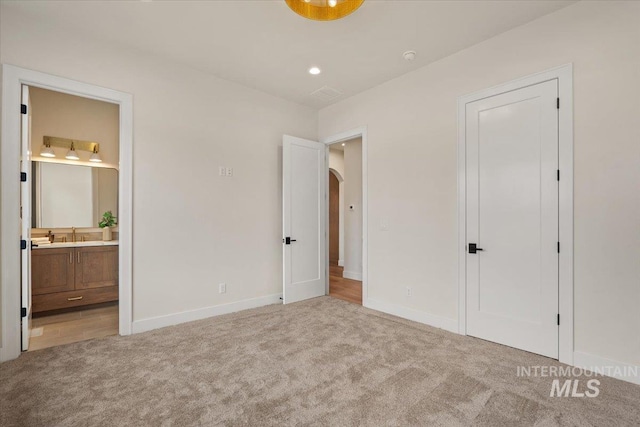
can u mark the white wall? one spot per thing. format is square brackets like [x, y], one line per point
[336, 162]
[353, 217]
[192, 228]
[412, 138]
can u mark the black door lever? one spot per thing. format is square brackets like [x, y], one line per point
[473, 248]
[288, 240]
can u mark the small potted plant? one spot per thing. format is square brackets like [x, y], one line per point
[107, 221]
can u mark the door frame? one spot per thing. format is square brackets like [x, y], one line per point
[12, 80]
[564, 75]
[328, 141]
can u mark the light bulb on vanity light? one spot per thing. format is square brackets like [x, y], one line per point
[47, 151]
[95, 157]
[71, 154]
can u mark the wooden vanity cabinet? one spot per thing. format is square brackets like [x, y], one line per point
[96, 267]
[73, 277]
[52, 270]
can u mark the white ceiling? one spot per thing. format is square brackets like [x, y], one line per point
[264, 45]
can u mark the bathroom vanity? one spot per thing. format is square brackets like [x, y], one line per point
[73, 274]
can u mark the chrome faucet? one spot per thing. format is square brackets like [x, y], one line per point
[73, 234]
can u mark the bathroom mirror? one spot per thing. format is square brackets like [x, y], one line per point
[66, 195]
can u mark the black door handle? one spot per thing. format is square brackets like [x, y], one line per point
[473, 248]
[288, 240]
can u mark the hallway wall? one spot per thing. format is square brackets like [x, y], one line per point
[353, 209]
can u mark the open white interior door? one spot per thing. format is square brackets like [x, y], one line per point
[304, 177]
[25, 216]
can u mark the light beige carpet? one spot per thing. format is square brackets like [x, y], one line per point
[319, 362]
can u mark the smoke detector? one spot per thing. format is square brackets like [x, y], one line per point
[409, 55]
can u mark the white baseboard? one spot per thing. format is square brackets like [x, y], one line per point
[353, 275]
[450, 325]
[340, 263]
[202, 313]
[613, 368]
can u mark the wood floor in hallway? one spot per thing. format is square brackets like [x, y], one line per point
[73, 326]
[344, 289]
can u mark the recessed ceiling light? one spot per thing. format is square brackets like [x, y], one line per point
[314, 70]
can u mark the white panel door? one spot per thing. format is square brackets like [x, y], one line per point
[304, 177]
[25, 217]
[512, 218]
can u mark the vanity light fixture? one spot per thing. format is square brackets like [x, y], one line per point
[47, 151]
[72, 145]
[95, 157]
[71, 154]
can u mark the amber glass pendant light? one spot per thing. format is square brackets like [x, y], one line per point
[324, 10]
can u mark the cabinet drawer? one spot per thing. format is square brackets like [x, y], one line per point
[73, 298]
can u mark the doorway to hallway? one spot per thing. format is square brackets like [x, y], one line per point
[305, 220]
[345, 220]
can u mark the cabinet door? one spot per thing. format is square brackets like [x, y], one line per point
[52, 270]
[96, 267]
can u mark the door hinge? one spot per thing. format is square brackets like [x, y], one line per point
[23, 244]
[558, 247]
[23, 109]
[558, 103]
[23, 177]
[558, 174]
[23, 312]
[558, 319]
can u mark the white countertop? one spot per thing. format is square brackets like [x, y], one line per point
[77, 244]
